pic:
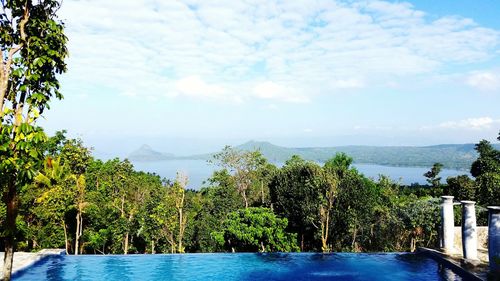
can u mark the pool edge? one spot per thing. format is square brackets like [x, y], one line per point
[455, 265]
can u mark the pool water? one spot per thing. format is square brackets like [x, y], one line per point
[302, 266]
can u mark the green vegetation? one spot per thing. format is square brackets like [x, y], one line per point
[33, 50]
[451, 156]
[255, 229]
[95, 207]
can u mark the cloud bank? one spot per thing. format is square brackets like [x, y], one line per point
[285, 51]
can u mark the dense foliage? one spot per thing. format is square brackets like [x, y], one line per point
[33, 53]
[106, 207]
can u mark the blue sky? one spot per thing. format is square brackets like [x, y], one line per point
[191, 76]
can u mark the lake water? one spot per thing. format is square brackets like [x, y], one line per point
[199, 171]
[279, 266]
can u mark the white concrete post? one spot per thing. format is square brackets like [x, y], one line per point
[447, 223]
[494, 238]
[469, 231]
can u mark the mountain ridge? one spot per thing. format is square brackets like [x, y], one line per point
[452, 156]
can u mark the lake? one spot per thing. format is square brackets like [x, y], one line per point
[199, 171]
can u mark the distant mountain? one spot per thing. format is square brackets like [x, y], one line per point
[146, 153]
[452, 156]
[272, 152]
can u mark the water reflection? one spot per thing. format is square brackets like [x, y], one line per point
[448, 274]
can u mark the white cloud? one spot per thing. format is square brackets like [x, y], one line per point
[129, 94]
[480, 123]
[194, 86]
[273, 91]
[149, 47]
[348, 84]
[484, 81]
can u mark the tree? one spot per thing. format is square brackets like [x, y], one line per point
[129, 195]
[55, 197]
[461, 187]
[486, 170]
[164, 220]
[326, 209]
[77, 157]
[302, 193]
[178, 192]
[432, 175]
[33, 48]
[243, 164]
[55, 143]
[255, 229]
[79, 204]
[488, 161]
[339, 164]
[217, 200]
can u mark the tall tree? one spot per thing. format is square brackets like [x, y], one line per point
[243, 165]
[55, 197]
[299, 192]
[129, 194]
[77, 157]
[33, 47]
[218, 200]
[179, 193]
[326, 208]
[461, 187]
[432, 175]
[486, 170]
[339, 165]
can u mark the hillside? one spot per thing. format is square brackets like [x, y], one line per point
[452, 156]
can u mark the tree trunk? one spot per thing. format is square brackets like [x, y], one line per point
[180, 249]
[77, 235]
[125, 243]
[354, 236]
[302, 242]
[152, 247]
[125, 240]
[172, 245]
[244, 194]
[324, 233]
[10, 199]
[65, 237]
[8, 257]
[262, 192]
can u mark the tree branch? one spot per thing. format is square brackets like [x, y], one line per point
[5, 73]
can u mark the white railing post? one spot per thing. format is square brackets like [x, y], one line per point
[494, 238]
[447, 224]
[469, 230]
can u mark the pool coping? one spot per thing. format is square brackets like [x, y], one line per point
[477, 272]
[29, 259]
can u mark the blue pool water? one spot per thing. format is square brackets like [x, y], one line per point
[303, 266]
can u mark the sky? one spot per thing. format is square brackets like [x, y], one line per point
[190, 76]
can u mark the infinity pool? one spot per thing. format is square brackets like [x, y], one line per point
[303, 266]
